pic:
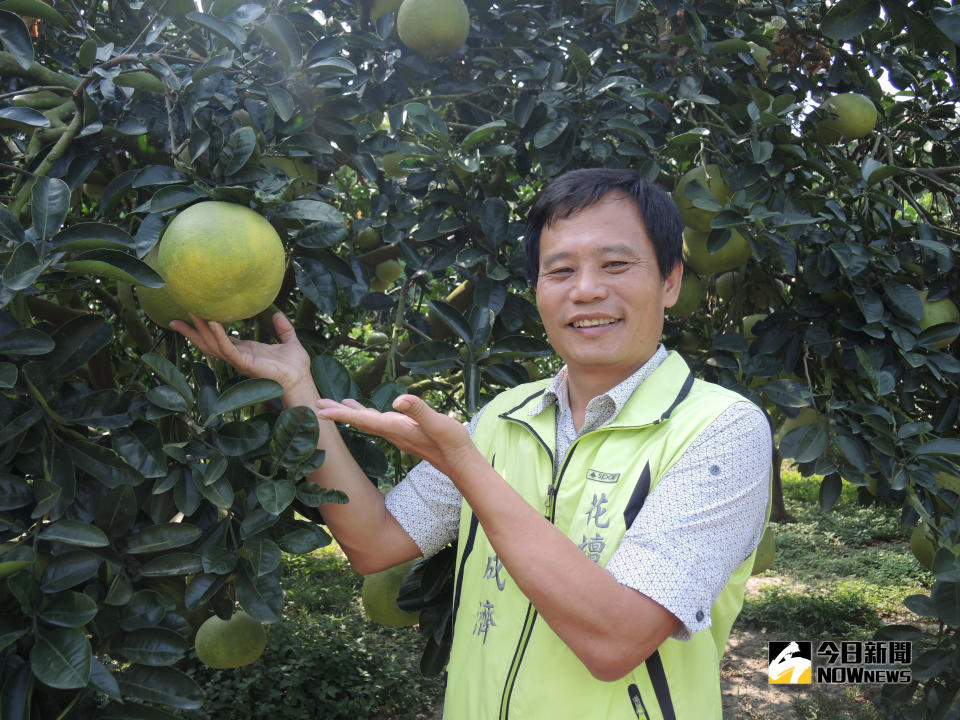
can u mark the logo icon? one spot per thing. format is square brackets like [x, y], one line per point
[600, 476]
[789, 662]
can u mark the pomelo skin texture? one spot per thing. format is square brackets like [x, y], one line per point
[221, 261]
[696, 255]
[230, 643]
[433, 27]
[711, 177]
[847, 116]
[157, 303]
[379, 596]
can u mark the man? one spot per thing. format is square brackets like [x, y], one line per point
[606, 518]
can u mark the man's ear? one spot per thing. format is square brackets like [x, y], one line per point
[671, 285]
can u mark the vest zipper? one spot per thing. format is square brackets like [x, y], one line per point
[531, 616]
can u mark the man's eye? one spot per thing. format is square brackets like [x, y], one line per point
[559, 271]
[616, 264]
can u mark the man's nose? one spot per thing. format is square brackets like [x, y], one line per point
[589, 285]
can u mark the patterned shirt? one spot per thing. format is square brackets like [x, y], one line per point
[699, 523]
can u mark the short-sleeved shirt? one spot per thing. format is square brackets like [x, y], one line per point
[699, 523]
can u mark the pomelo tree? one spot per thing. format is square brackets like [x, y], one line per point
[142, 490]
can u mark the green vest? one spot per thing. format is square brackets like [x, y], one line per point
[506, 663]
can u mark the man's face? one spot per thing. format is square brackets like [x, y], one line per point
[599, 290]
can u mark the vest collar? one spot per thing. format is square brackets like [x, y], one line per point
[651, 403]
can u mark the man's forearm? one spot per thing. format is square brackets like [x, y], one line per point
[369, 536]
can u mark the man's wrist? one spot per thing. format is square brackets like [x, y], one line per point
[303, 393]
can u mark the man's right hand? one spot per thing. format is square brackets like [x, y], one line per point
[286, 362]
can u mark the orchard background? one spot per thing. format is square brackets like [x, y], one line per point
[142, 491]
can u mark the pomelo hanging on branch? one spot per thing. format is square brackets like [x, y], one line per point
[710, 177]
[157, 303]
[847, 116]
[221, 261]
[433, 27]
[230, 643]
[697, 256]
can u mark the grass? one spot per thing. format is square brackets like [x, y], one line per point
[839, 574]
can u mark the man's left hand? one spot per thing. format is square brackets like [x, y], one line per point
[416, 429]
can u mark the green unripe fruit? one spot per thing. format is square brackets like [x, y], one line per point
[379, 597]
[711, 177]
[847, 116]
[230, 643]
[690, 297]
[433, 27]
[388, 270]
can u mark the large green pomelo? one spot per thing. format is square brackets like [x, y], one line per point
[230, 643]
[433, 27]
[735, 252]
[379, 597]
[847, 116]
[711, 177]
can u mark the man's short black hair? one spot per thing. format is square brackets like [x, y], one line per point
[579, 189]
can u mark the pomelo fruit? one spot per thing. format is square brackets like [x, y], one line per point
[711, 177]
[735, 252]
[221, 261]
[766, 552]
[937, 312]
[379, 8]
[433, 27]
[379, 597]
[300, 169]
[368, 238]
[388, 270]
[921, 544]
[230, 643]
[749, 321]
[690, 297]
[847, 116]
[157, 303]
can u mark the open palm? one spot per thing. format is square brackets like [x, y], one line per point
[286, 362]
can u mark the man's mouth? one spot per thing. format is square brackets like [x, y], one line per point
[594, 322]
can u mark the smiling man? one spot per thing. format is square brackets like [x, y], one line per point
[606, 518]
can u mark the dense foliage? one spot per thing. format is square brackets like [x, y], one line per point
[142, 490]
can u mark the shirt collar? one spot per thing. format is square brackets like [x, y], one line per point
[616, 397]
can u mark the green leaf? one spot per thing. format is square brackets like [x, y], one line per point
[11, 630]
[220, 493]
[904, 297]
[14, 492]
[117, 511]
[78, 340]
[158, 175]
[830, 489]
[238, 438]
[141, 447]
[282, 36]
[947, 20]
[264, 555]
[232, 33]
[50, 205]
[92, 236]
[162, 537]
[482, 133]
[28, 341]
[430, 355]
[69, 609]
[75, 532]
[282, 102]
[246, 392]
[261, 597]
[162, 685]
[169, 373]
[453, 318]
[167, 397]
[940, 446]
[14, 117]
[102, 463]
[152, 646]
[316, 283]
[20, 424]
[10, 228]
[549, 133]
[239, 150]
[68, 570]
[522, 345]
[332, 379]
[23, 268]
[804, 444]
[218, 560]
[201, 588]
[144, 609]
[946, 599]
[275, 496]
[849, 18]
[787, 393]
[306, 538]
[16, 39]
[625, 9]
[173, 196]
[173, 564]
[35, 8]
[115, 265]
[295, 436]
[62, 658]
